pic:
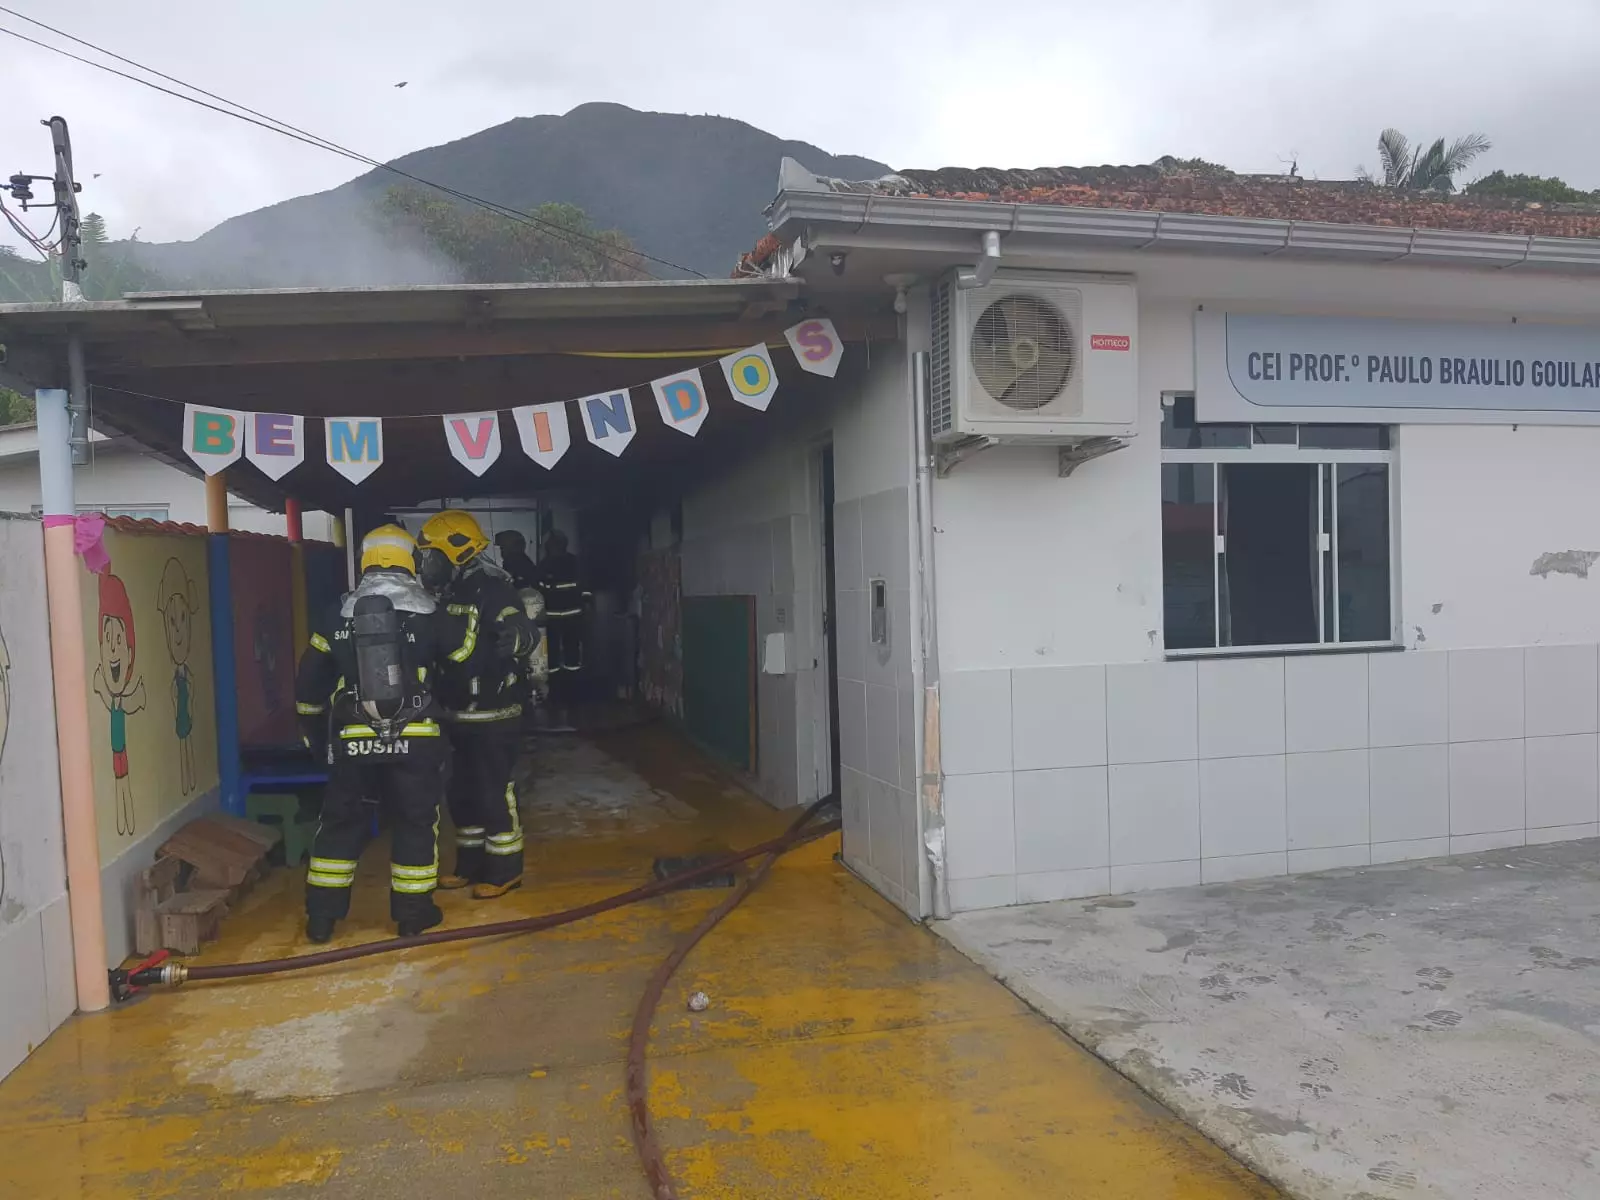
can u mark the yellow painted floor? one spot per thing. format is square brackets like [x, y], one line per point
[846, 1052]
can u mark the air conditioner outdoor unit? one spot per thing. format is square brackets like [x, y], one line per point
[1038, 357]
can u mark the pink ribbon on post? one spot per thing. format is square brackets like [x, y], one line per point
[88, 538]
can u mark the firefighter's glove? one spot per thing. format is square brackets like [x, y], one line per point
[315, 736]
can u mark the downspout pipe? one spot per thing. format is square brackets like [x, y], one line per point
[926, 742]
[979, 276]
[70, 682]
[78, 402]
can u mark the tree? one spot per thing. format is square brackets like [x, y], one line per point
[15, 408]
[1540, 188]
[1413, 169]
[112, 272]
[561, 244]
[25, 281]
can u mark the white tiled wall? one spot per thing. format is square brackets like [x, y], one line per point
[876, 710]
[760, 559]
[37, 988]
[1075, 781]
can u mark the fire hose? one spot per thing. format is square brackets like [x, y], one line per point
[127, 982]
[159, 971]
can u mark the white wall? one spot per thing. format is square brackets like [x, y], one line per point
[1480, 509]
[755, 530]
[123, 478]
[1078, 760]
[1034, 570]
[37, 991]
[873, 504]
[749, 533]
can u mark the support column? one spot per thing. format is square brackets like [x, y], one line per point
[69, 670]
[219, 568]
[299, 603]
[217, 502]
[344, 537]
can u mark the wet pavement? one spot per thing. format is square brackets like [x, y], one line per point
[846, 1052]
[1425, 1030]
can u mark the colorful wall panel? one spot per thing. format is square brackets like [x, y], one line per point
[263, 640]
[152, 721]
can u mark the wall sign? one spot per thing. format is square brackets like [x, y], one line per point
[1261, 367]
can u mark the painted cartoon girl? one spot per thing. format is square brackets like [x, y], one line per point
[176, 603]
[119, 688]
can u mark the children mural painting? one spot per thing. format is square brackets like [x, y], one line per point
[120, 688]
[175, 601]
[145, 625]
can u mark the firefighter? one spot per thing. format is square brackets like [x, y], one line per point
[524, 574]
[561, 580]
[514, 558]
[364, 695]
[480, 686]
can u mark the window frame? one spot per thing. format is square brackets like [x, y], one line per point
[1219, 457]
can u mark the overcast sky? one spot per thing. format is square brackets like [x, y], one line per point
[929, 83]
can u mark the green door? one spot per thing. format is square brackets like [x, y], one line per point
[719, 676]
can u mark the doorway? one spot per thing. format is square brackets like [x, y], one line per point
[827, 689]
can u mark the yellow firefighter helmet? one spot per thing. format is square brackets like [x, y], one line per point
[389, 547]
[455, 534]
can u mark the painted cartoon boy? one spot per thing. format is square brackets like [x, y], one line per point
[176, 603]
[119, 689]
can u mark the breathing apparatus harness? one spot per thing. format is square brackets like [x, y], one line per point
[390, 687]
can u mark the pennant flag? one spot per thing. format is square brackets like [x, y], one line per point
[212, 437]
[682, 401]
[608, 420]
[816, 345]
[750, 376]
[474, 439]
[544, 432]
[354, 446]
[277, 442]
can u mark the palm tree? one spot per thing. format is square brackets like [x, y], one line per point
[1413, 169]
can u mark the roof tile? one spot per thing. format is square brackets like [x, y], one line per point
[1169, 186]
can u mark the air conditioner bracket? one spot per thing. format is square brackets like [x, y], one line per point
[947, 457]
[1070, 458]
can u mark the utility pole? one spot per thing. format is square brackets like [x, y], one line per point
[63, 444]
[67, 189]
[72, 265]
[64, 201]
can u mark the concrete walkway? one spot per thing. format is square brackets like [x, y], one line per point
[1425, 1030]
[846, 1053]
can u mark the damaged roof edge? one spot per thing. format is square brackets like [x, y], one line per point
[1178, 232]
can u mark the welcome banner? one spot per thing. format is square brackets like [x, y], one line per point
[215, 438]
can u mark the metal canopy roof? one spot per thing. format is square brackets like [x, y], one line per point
[411, 353]
[411, 305]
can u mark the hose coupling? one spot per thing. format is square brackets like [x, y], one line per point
[156, 971]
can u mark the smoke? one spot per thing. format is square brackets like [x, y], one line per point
[334, 239]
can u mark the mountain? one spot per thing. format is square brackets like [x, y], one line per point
[690, 189]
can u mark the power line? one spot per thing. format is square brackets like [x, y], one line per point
[310, 139]
[38, 244]
[273, 124]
